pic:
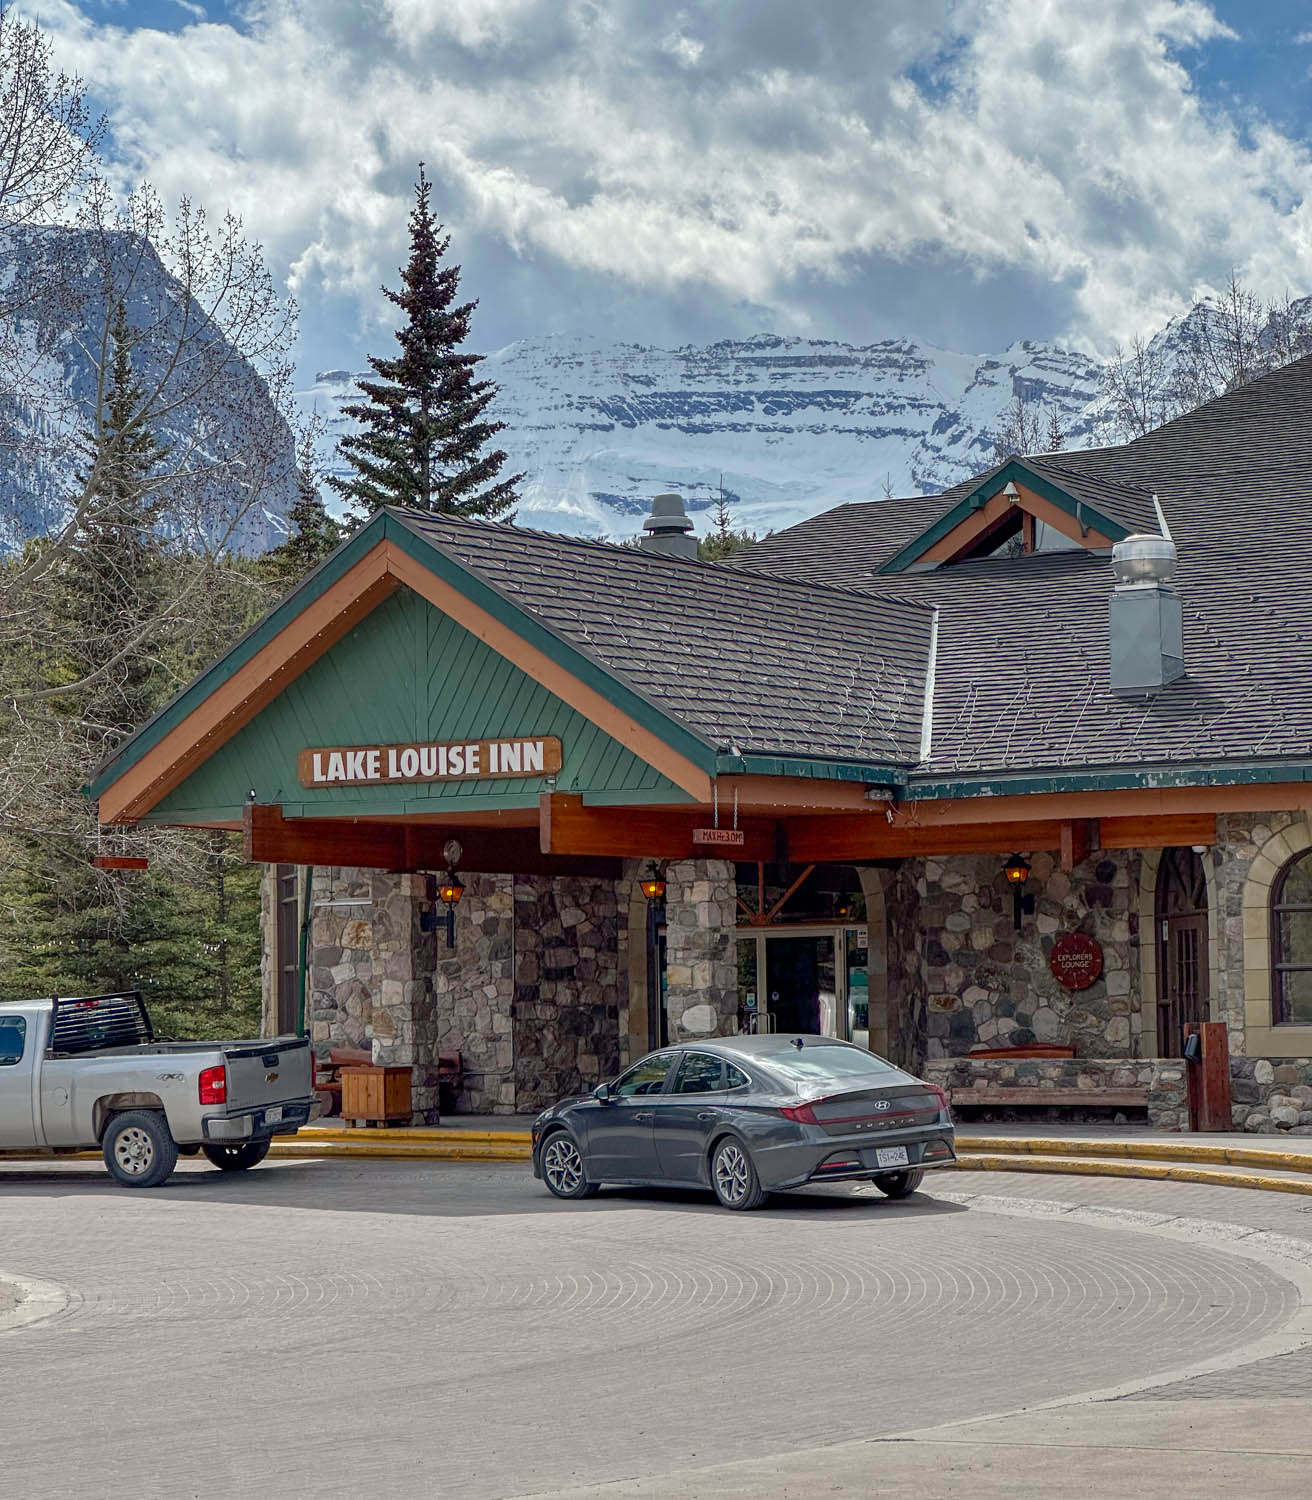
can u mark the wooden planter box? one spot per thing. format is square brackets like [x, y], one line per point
[376, 1095]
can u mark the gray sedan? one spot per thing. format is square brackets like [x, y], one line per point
[746, 1116]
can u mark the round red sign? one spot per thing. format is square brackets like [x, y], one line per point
[1076, 960]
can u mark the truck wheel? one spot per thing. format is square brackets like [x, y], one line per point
[138, 1149]
[237, 1158]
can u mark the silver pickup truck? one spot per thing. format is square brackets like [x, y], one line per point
[89, 1072]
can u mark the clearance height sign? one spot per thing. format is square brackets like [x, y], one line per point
[461, 760]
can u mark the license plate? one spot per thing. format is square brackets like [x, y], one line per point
[891, 1156]
[272, 1117]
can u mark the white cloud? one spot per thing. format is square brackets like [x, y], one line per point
[749, 149]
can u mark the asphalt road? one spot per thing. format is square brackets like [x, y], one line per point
[342, 1329]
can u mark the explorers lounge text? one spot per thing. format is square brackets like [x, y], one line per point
[462, 760]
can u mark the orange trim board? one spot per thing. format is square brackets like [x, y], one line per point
[318, 627]
[961, 537]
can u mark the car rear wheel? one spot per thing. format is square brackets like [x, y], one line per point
[562, 1167]
[900, 1184]
[237, 1158]
[733, 1176]
[138, 1149]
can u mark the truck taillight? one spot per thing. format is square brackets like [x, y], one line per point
[214, 1085]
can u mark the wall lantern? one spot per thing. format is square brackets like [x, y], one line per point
[449, 893]
[652, 884]
[1017, 871]
[450, 890]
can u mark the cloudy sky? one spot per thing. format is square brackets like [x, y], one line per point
[967, 171]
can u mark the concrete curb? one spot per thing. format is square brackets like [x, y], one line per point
[1184, 1150]
[1153, 1171]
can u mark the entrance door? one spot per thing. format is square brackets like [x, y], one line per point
[1182, 956]
[801, 983]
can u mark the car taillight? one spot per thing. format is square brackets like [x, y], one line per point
[214, 1085]
[804, 1114]
[938, 1093]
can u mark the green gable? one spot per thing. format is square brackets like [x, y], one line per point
[408, 673]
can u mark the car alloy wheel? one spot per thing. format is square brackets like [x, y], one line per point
[734, 1177]
[562, 1168]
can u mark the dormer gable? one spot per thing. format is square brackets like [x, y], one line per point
[1031, 502]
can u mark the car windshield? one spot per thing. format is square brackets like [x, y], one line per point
[828, 1064]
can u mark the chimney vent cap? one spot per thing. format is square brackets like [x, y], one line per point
[667, 514]
[1143, 560]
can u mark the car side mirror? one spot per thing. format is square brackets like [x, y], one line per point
[602, 1092]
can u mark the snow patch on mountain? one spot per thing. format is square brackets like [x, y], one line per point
[786, 426]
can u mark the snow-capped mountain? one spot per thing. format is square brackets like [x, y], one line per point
[787, 426]
[230, 455]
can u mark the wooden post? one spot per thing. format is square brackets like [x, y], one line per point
[1208, 1079]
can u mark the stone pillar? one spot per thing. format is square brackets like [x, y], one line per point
[371, 977]
[701, 964]
[474, 992]
[567, 986]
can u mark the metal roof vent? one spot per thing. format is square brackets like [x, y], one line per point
[668, 528]
[1146, 618]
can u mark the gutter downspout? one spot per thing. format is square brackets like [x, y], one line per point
[307, 909]
[931, 667]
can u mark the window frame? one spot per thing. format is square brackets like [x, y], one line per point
[19, 1024]
[687, 1057]
[1279, 965]
[672, 1059]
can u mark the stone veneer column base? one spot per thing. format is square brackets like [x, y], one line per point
[701, 965]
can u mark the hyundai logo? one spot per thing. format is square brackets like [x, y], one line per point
[882, 1104]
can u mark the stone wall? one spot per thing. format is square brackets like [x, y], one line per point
[701, 964]
[904, 961]
[1162, 1078]
[1271, 1097]
[567, 986]
[989, 985]
[474, 994]
[371, 975]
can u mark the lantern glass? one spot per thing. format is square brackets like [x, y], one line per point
[1017, 869]
[450, 891]
[653, 889]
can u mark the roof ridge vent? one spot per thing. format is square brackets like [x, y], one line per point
[668, 528]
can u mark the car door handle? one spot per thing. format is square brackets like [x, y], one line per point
[642, 1116]
[705, 1114]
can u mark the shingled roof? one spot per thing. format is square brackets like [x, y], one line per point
[767, 664]
[1022, 670]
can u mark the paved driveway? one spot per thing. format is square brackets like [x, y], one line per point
[342, 1329]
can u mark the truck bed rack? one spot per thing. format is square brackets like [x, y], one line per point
[91, 1023]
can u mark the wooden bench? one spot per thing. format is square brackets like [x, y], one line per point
[1035, 1049]
[1050, 1098]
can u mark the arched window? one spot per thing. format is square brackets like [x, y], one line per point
[1291, 943]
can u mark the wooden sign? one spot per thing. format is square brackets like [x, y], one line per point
[725, 838]
[1075, 960]
[460, 760]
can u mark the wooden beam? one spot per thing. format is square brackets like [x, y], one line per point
[842, 840]
[1166, 832]
[1077, 838]
[566, 826]
[270, 838]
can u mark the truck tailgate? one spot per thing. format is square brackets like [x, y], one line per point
[268, 1072]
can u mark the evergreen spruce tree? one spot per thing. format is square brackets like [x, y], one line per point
[314, 532]
[424, 441]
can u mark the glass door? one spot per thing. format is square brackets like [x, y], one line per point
[792, 979]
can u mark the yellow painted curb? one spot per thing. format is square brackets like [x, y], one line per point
[1152, 1171]
[1184, 1150]
[423, 1134]
[400, 1151]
